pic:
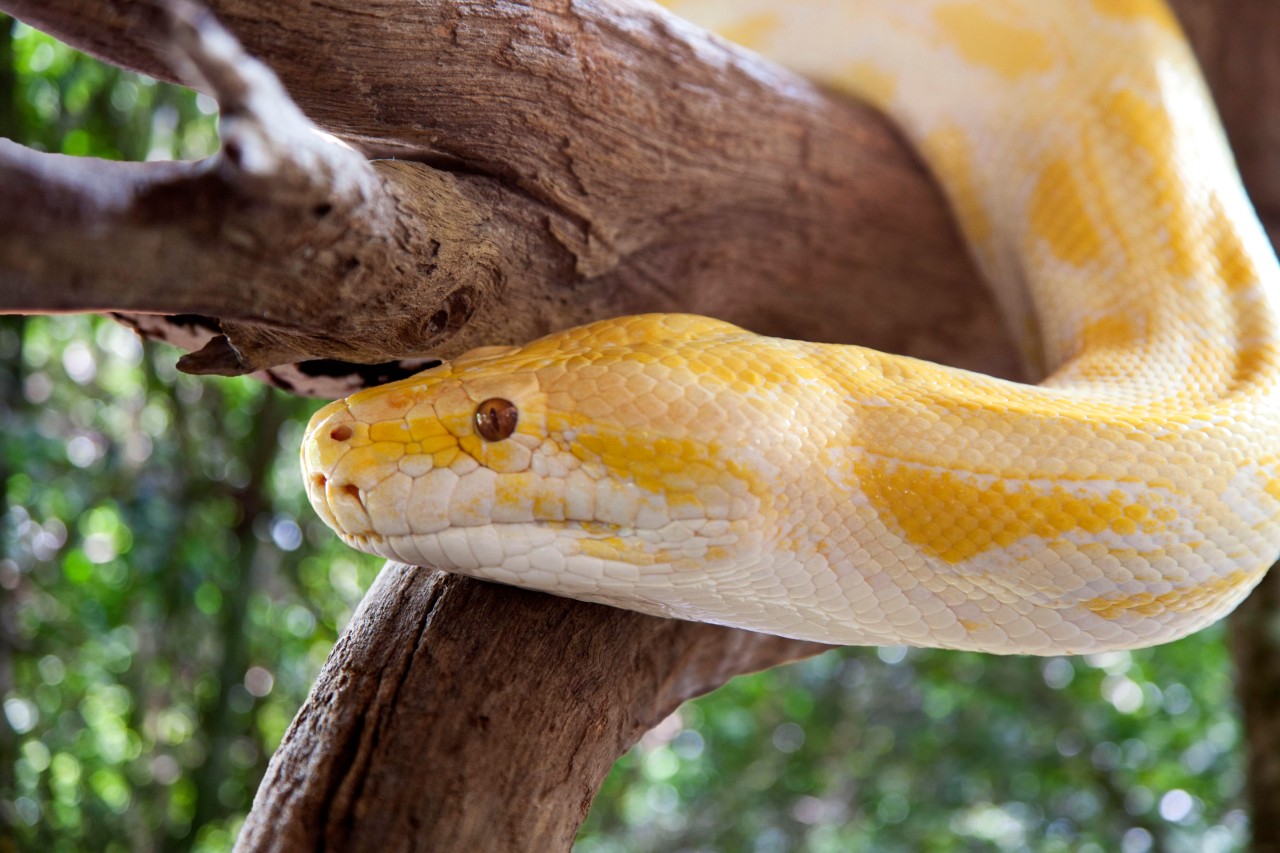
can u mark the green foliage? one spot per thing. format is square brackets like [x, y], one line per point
[166, 595]
[55, 99]
[166, 598]
[911, 750]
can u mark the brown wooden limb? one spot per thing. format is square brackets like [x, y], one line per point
[298, 246]
[624, 163]
[460, 715]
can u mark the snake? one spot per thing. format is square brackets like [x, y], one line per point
[684, 467]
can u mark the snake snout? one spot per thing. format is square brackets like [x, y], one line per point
[338, 500]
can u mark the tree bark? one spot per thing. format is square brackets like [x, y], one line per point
[559, 162]
[460, 715]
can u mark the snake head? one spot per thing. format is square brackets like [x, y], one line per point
[593, 460]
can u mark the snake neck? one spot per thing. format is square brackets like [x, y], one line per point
[1086, 167]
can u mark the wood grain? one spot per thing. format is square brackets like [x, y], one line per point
[620, 164]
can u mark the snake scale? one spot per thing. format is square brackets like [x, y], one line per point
[681, 466]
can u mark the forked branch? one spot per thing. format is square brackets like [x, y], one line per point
[569, 161]
[240, 236]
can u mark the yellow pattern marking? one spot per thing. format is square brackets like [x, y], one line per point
[1110, 332]
[952, 151]
[1233, 263]
[1151, 10]
[1059, 217]
[1150, 135]
[871, 82]
[948, 515]
[752, 31]
[684, 473]
[1180, 600]
[983, 39]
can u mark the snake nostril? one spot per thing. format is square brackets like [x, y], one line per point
[319, 481]
[340, 433]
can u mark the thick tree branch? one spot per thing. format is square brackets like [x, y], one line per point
[422, 686]
[401, 255]
[574, 161]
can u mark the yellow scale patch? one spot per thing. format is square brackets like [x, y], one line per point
[951, 153]
[1113, 331]
[987, 41]
[1150, 134]
[869, 81]
[1058, 215]
[620, 550]
[1184, 600]
[1150, 10]
[947, 515]
[750, 32]
[676, 470]
[1233, 263]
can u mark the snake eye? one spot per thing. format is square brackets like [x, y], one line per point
[496, 419]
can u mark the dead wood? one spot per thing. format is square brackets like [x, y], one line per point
[567, 161]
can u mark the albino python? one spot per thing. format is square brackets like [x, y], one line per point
[681, 466]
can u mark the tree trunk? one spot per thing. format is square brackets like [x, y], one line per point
[557, 162]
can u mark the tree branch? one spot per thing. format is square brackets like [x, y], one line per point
[460, 715]
[572, 161]
[232, 237]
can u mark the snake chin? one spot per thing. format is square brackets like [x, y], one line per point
[640, 570]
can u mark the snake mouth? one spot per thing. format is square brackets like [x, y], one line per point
[340, 505]
[349, 490]
[339, 502]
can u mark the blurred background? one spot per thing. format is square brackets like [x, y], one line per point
[166, 598]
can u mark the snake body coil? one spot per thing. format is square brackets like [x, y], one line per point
[681, 466]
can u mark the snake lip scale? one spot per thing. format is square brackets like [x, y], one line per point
[681, 466]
